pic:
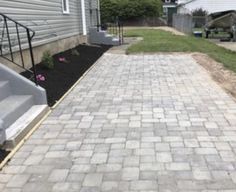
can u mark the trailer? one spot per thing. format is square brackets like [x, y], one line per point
[222, 21]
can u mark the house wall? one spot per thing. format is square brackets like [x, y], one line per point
[45, 17]
[54, 47]
[80, 17]
[55, 31]
[91, 15]
[210, 6]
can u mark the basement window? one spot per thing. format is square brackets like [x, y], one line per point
[65, 7]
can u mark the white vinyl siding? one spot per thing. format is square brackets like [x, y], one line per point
[91, 17]
[46, 17]
[211, 6]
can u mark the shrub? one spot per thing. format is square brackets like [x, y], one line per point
[75, 52]
[199, 12]
[199, 17]
[129, 9]
[47, 60]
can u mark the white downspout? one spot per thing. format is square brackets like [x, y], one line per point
[99, 11]
[83, 17]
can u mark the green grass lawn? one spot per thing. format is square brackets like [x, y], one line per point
[162, 41]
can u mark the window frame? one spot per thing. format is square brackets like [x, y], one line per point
[65, 10]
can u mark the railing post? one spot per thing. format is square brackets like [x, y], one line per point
[20, 48]
[11, 45]
[32, 56]
[97, 15]
[119, 32]
[122, 32]
[116, 28]
[9, 38]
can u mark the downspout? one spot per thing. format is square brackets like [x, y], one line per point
[99, 13]
[83, 17]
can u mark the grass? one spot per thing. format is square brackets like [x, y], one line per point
[162, 41]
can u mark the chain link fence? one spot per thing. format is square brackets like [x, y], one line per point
[187, 23]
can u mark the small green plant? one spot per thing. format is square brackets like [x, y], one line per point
[75, 52]
[47, 60]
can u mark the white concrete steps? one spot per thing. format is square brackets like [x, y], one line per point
[22, 104]
[12, 107]
[102, 37]
[2, 133]
[108, 35]
[18, 130]
[4, 89]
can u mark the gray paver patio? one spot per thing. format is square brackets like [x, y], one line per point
[134, 123]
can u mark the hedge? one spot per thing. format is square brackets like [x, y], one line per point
[129, 9]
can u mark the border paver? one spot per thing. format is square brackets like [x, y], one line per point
[134, 123]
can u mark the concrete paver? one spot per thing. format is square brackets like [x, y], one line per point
[136, 123]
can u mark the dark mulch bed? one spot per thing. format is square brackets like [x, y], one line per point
[3, 154]
[60, 79]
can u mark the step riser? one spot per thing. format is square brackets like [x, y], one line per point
[12, 116]
[102, 37]
[104, 41]
[21, 129]
[5, 90]
[2, 133]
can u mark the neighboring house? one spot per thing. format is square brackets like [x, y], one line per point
[211, 6]
[169, 8]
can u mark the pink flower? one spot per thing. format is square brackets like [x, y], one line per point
[62, 59]
[40, 77]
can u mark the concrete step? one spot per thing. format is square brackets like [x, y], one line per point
[102, 32]
[5, 90]
[14, 106]
[109, 35]
[116, 41]
[17, 96]
[18, 130]
[102, 37]
[2, 133]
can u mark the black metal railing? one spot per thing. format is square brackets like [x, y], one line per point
[16, 37]
[116, 29]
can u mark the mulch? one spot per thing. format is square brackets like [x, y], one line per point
[3, 154]
[64, 74]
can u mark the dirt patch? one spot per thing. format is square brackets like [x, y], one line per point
[122, 49]
[224, 77]
[172, 30]
[69, 66]
[164, 28]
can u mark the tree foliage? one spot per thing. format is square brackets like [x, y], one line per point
[129, 9]
[199, 12]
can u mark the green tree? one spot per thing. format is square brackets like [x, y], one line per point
[129, 9]
[199, 12]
